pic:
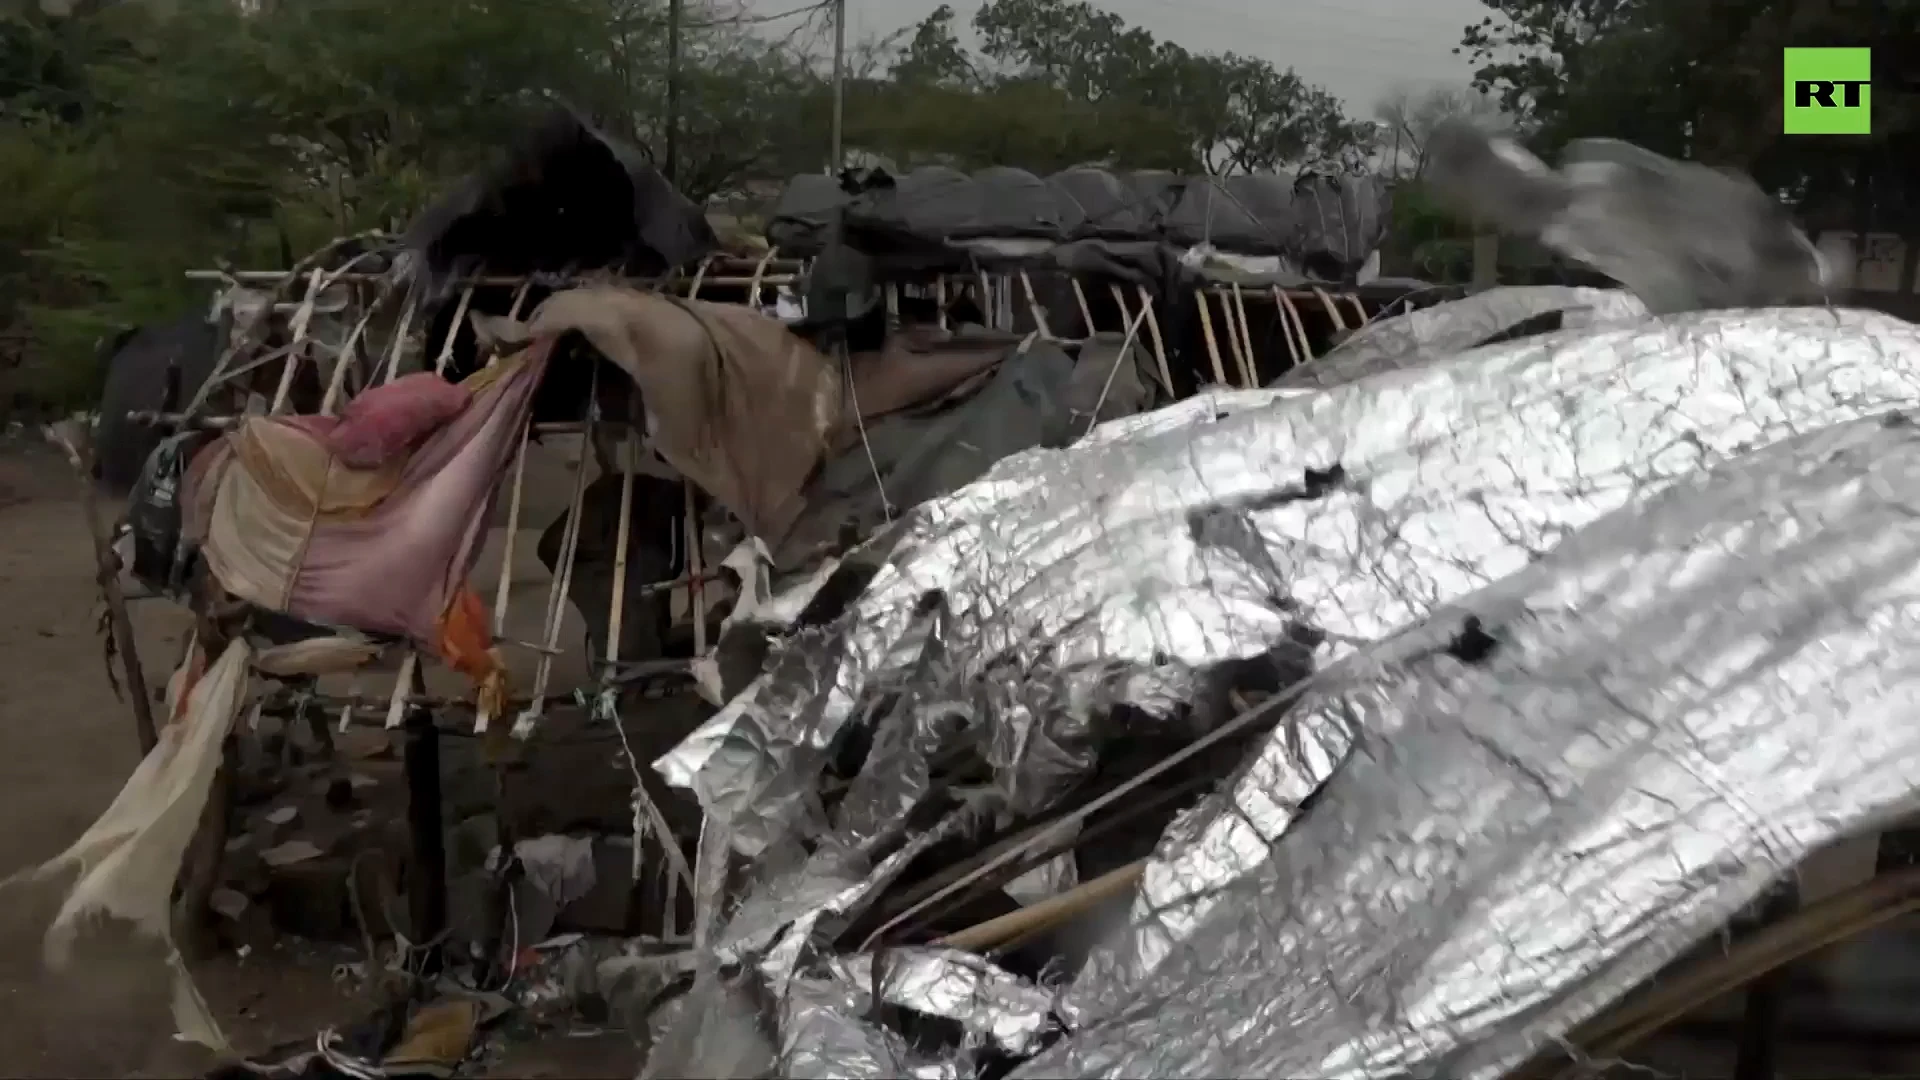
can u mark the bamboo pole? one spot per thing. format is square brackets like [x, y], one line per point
[338, 381]
[1238, 313]
[617, 607]
[563, 577]
[453, 330]
[1332, 312]
[1086, 310]
[1153, 330]
[1045, 914]
[399, 344]
[106, 570]
[301, 319]
[1297, 328]
[1033, 305]
[1206, 331]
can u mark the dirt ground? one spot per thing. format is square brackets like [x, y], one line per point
[67, 745]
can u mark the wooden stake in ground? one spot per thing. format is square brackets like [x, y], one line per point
[72, 438]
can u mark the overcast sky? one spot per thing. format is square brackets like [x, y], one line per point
[1357, 49]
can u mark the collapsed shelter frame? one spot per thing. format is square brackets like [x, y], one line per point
[1754, 957]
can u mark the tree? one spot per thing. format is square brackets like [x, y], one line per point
[1410, 115]
[1239, 114]
[1696, 79]
[933, 55]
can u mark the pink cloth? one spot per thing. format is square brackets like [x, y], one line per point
[387, 421]
[394, 569]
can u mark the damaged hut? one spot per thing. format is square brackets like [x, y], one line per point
[988, 705]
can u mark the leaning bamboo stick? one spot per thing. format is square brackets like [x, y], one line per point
[1845, 914]
[338, 381]
[1213, 344]
[759, 273]
[696, 596]
[1332, 312]
[1086, 310]
[1249, 368]
[1298, 326]
[300, 320]
[617, 606]
[563, 576]
[1045, 914]
[504, 587]
[1236, 355]
[511, 540]
[453, 331]
[399, 344]
[1359, 308]
[1153, 330]
[1033, 305]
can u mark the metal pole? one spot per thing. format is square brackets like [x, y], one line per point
[838, 161]
[673, 92]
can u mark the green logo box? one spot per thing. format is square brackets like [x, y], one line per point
[1828, 91]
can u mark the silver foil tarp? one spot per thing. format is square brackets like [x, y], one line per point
[1438, 333]
[824, 1035]
[1020, 608]
[1534, 811]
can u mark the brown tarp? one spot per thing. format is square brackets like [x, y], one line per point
[742, 406]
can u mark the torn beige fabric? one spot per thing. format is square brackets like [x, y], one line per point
[335, 654]
[271, 482]
[252, 545]
[128, 860]
[746, 408]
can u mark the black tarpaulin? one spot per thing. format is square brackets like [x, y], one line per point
[1339, 221]
[1333, 223]
[563, 196]
[802, 220]
[1016, 203]
[937, 204]
[1206, 212]
[1102, 206]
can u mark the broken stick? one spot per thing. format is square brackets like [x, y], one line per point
[71, 437]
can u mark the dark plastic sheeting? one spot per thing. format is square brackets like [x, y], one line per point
[1102, 205]
[939, 204]
[802, 221]
[1339, 220]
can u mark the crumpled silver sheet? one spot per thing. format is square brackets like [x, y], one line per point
[823, 1039]
[1441, 332]
[1066, 580]
[1681, 703]
[988, 1003]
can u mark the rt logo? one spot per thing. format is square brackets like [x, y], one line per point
[1829, 92]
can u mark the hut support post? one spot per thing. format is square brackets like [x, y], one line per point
[1486, 259]
[1758, 1050]
[427, 877]
[78, 448]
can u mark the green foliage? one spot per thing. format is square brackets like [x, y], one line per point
[138, 140]
[1700, 79]
[1226, 113]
